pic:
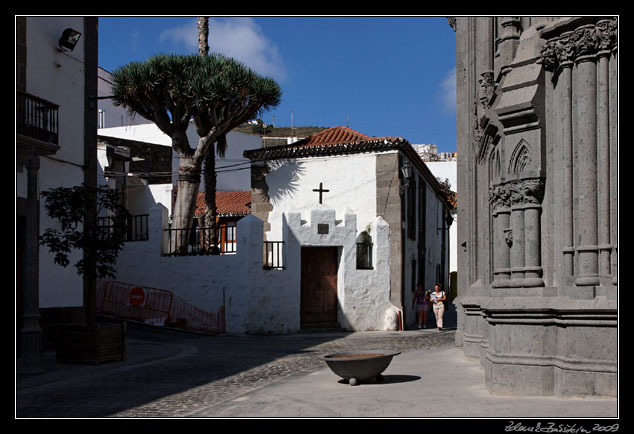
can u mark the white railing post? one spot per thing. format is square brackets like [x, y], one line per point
[157, 223]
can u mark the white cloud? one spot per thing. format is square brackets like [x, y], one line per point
[240, 38]
[448, 91]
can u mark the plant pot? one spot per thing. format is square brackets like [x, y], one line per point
[357, 366]
[96, 343]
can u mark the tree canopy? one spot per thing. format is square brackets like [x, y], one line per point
[217, 92]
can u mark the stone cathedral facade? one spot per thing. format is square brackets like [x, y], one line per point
[538, 187]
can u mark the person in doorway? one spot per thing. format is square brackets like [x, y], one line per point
[420, 303]
[437, 298]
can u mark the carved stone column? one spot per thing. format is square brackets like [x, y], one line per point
[605, 27]
[518, 251]
[563, 102]
[533, 195]
[499, 197]
[585, 121]
[526, 197]
[590, 47]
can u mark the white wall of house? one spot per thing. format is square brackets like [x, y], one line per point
[251, 295]
[237, 177]
[59, 78]
[351, 180]
[266, 301]
[142, 199]
[363, 294]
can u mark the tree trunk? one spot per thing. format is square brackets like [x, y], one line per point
[203, 35]
[183, 215]
[211, 240]
[210, 201]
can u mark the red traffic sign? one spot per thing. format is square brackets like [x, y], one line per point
[137, 296]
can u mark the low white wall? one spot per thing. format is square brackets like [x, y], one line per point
[266, 301]
[251, 295]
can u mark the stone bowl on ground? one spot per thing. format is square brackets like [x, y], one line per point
[357, 366]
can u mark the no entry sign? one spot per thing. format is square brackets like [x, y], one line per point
[137, 296]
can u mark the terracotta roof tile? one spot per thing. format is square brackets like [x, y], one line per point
[337, 136]
[228, 203]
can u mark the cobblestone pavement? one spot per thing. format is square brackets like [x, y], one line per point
[214, 369]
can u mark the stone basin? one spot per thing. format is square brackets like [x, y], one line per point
[357, 366]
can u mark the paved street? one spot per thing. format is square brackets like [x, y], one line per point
[185, 373]
[173, 374]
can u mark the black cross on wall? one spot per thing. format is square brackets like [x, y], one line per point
[320, 190]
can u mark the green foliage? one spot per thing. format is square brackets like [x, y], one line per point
[76, 209]
[216, 91]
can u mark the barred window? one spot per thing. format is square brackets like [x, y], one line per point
[364, 256]
[364, 251]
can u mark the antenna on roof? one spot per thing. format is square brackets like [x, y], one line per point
[292, 123]
[347, 121]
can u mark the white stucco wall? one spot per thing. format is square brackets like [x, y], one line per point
[237, 177]
[351, 180]
[251, 295]
[59, 78]
[268, 301]
[364, 295]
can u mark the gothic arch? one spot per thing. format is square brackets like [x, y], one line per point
[521, 160]
[495, 165]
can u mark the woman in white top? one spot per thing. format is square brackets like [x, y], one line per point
[437, 298]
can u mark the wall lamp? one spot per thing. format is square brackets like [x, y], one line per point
[406, 171]
[69, 39]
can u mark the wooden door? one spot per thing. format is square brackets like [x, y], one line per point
[319, 303]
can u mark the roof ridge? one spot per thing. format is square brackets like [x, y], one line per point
[335, 136]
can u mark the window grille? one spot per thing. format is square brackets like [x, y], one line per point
[364, 256]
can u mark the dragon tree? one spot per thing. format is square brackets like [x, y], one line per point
[216, 93]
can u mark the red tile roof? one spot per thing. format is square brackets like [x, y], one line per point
[228, 203]
[337, 136]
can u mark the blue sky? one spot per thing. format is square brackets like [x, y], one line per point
[383, 76]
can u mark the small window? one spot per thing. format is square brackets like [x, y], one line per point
[364, 251]
[364, 256]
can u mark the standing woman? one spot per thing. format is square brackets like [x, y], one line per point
[421, 304]
[437, 299]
